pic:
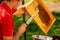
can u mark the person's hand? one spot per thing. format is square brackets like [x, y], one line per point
[22, 28]
[19, 12]
[20, 31]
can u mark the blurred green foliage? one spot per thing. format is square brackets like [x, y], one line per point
[34, 29]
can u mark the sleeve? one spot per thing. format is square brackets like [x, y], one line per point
[7, 24]
[13, 10]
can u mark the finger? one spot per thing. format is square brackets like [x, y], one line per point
[24, 24]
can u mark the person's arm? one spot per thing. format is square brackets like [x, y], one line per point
[22, 8]
[20, 31]
[8, 27]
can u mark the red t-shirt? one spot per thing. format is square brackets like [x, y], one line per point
[6, 21]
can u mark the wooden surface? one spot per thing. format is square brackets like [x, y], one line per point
[42, 16]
